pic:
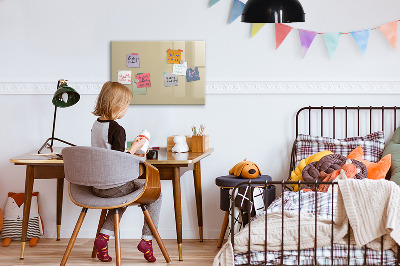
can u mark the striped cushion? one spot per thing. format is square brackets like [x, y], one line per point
[13, 228]
[372, 145]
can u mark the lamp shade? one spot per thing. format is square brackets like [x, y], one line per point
[273, 11]
[65, 96]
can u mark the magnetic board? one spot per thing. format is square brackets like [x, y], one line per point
[147, 68]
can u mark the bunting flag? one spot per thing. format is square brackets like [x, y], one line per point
[332, 41]
[237, 9]
[389, 30]
[256, 27]
[361, 37]
[213, 2]
[281, 31]
[306, 39]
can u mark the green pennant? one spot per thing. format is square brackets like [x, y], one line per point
[213, 2]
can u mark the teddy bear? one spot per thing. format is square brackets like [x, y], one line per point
[180, 144]
[13, 215]
[245, 169]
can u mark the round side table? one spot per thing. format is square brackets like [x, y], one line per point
[228, 182]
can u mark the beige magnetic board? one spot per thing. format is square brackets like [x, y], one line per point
[156, 72]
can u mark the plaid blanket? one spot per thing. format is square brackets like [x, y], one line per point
[323, 205]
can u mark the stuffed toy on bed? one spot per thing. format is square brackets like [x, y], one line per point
[13, 215]
[245, 169]
[317, 171]
[296, 174]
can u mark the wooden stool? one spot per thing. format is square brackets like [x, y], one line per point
[226, 183]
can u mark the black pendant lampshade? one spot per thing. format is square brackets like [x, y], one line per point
[273, 11]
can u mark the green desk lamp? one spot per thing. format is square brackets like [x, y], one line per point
[65, 96]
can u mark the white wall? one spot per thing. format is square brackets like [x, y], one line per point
[42, 41]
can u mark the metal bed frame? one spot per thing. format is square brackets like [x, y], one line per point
[283, 184]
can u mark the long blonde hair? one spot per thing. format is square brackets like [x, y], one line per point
[112, 99]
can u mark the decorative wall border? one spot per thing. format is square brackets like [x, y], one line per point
[233, 87]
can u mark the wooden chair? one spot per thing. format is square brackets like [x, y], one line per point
[85, 167]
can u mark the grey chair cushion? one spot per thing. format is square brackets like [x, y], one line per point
[99, 167]
[83, 196]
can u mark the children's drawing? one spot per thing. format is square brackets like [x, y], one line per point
[125, 77]
[133, 60]
[192, 74]
[180, 69]
[174, 56]
[143, 80]
[170, 80]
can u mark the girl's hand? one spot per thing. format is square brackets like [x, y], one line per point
[137, 144]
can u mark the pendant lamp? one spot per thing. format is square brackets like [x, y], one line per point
[64, 96]
[272, 11]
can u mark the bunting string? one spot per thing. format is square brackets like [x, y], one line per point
[361, 37]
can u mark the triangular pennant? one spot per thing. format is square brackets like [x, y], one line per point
[256, 27]
[281, 31]
[332, 41]
[389, 30]
[306, 39]
[213, 2]
[361, 37]
[237, 9]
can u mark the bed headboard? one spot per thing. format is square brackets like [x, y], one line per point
[344, 121]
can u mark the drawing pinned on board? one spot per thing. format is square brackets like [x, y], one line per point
[170, 80]
[192, 74]
[174, 56]
[180, 69]
[125, 77]
[143, 80]
[133, 60]
[138, 91]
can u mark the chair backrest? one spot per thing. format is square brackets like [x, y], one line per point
[92, 166]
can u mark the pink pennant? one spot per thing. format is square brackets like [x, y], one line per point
[389, 30]
[306, 39]
[281, 31]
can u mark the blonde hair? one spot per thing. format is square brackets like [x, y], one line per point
[112, 99]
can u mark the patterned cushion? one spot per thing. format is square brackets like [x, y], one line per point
[372, 144]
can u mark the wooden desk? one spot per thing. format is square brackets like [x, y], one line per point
[40, 167]
[171, 167]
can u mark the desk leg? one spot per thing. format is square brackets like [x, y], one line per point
[60, 190]
[27, 206]
[176, 182]
[199, 204]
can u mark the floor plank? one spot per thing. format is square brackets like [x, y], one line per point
[50, 252]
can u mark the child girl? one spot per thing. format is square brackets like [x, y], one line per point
[112, 104]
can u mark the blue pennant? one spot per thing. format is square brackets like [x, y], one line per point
[237, 9]
[361, 38]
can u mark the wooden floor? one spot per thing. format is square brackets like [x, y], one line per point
[50, 252]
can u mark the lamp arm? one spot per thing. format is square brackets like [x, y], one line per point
[54, 126]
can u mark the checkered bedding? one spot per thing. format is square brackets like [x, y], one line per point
[372, 145]
[322, 207]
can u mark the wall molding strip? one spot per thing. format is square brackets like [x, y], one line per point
[231, 87]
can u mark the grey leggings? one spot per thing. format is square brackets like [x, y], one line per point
[154, 208]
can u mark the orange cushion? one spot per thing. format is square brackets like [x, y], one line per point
[375, 170]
